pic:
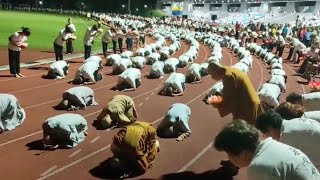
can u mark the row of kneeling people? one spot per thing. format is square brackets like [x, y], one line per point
[69, 129]
[130, 78]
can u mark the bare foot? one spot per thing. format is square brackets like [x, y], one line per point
[17, 76]
[21, 75]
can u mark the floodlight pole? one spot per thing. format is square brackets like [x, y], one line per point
[36, 4]
[129, 7]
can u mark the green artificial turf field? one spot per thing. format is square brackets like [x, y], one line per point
[44, 28]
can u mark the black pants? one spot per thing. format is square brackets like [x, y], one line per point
[280, 50]
[114, 46]
[255, 40]
[120, 41]
[105, 49]
[290, 53]
[14, 61]
[69, 46]
[87, 51]
[58, 51]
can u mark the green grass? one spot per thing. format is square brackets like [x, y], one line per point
[44, 28]
[154, 13]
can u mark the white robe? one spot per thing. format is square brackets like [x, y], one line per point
[58, 67]
[311, 101]
[67, 127]
[11, 114]
[81, 96]
[269, 94]
[277, 161]
[175, 80]
[303, 134]
[130, 76]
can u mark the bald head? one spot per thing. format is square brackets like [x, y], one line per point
[216, 70]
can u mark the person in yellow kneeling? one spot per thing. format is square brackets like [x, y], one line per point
[134, 148]
[120, 111]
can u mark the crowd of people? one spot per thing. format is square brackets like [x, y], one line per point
[289, 147]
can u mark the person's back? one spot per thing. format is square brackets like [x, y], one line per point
[303, 134]
[236, 82]
[278, 161]
[121, 101]
[179, 111]
[136, 143]
[11, 114]
[311, 101]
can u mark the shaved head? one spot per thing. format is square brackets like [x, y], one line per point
[216, 70]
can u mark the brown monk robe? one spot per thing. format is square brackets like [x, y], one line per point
[238, 95]
[137, 145]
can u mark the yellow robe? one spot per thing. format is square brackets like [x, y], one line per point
[239, 97]
[136, 143]
[121, 109]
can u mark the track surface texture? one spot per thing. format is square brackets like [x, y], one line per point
[38, 96]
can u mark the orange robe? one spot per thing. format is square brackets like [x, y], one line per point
[136, 143]
[239, 97]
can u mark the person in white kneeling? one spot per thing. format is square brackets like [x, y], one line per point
[77, 98]
[278, 80]
[193, 74]
[129, 80]
[11, 113]
[88, 73]
[265, 159]
[310, 101]
[269, 94]
[176, 122]
[300, 133]
[156, 70]
[174, 85]
[58, 70]
[64, 131]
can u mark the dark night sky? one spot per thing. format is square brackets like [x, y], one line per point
[106, 5]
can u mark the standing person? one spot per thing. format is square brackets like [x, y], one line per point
[88, 39]
[63, 36]
[69, 43]
[115, 40]
[129, 40]
[247, 106]
[106, 38]
[121, 35]
[142, 37]
[265, 159]
[16, 43]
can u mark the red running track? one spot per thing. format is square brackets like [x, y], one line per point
[38, 96]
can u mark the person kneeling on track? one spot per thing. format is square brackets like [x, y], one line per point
[174, 85]
[134, 149]
[77, 98]
[176, 122]
[88, 73]
[64, 131]
[120, 111]
[11, 114]
[194, 74]
[58, 70]
[129, 80]
[157, 70]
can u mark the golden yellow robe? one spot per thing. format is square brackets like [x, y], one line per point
[121, 109]
[239, 97]
[136, 143]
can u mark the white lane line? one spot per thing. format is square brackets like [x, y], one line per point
[146, 98]
[95, 139]
[74, 162]
[152, 93]
[196, 158]
[29, 135]
[140, 104]
[49, 170]
[75, 153]
[106, 147]
[20, 138]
